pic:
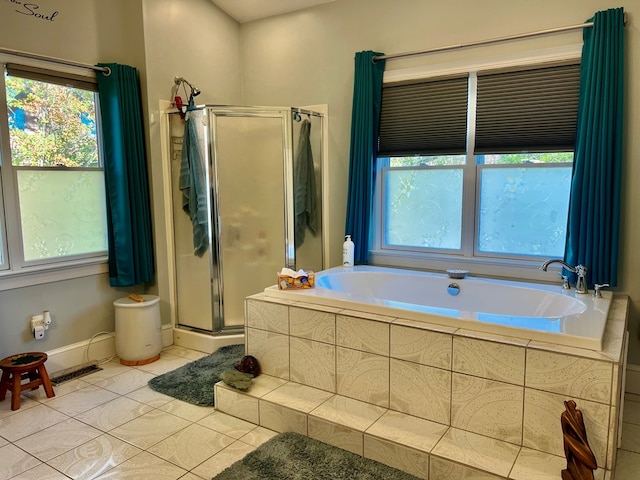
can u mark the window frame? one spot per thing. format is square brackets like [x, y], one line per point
[15, 272]
[479, 263]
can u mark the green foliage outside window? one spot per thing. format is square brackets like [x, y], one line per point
[515, 158]
[498, 159]
[51, 125]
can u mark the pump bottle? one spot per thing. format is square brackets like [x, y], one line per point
[347, 252]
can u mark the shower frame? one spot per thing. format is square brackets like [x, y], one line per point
[211, 153]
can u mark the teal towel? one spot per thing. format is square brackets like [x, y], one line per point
[192, 185]
[304, 178]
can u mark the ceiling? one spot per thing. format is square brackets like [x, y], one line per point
[248, 10]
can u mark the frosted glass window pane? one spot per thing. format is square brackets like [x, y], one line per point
[423, 208]
[523, 211]
[62, 213]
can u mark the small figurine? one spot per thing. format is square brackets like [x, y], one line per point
[581, 462]
[249, 364]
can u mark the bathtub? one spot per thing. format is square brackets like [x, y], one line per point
[525, 310]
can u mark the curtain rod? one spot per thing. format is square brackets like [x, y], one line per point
[35, 56]
[489, 41]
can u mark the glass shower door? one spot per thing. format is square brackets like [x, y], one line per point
[194, 285]
[249, 203]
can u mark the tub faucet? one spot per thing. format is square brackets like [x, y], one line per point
[579, 270]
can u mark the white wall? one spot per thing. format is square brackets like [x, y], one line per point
[307, 57]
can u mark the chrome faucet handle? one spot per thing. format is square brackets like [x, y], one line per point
[581, 282]
[596, 289]
[565, 282]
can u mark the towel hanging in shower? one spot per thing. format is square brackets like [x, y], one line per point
[191, 183]
[304, 179]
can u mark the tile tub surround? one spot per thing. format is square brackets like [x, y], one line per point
[486, 396]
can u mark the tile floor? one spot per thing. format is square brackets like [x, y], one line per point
[110, 425]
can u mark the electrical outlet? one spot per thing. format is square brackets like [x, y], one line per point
[38, 321]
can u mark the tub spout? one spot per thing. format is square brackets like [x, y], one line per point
[546, 264]
[579, 270]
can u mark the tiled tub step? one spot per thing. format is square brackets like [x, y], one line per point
[423, 448]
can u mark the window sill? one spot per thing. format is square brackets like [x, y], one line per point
[521, 270]
[52, 273]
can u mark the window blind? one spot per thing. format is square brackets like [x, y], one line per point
[527, 111]
[424, 118]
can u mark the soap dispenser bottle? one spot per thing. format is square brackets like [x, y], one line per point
[347, 252]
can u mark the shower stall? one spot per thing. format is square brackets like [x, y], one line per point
[246, 186]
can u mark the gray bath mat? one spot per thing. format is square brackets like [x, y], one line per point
[291, 456]
[194, 381]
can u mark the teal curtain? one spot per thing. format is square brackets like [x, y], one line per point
[594, 206]
[365, 121]
[125, 171]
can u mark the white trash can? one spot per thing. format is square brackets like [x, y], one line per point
[138, 330]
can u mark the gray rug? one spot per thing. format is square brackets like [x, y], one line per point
[291, 456]
[194, 381]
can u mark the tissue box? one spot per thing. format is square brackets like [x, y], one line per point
[286, 282]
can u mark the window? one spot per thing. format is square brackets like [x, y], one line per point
[477, 168]
[53, 193]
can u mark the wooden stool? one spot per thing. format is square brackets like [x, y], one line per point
[24, 366]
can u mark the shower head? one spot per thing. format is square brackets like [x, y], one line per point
[195, 91]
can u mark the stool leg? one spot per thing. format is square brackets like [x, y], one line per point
[4, 383]
[46, 381]
[15, 391]
[33, 375]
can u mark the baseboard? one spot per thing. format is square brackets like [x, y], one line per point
[633, 379]
[99, 348]
[202, 342]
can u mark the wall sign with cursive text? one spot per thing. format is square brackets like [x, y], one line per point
[33, 10]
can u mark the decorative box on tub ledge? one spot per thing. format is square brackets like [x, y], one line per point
[289, 279]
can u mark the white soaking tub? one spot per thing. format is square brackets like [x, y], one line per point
[518, 309]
